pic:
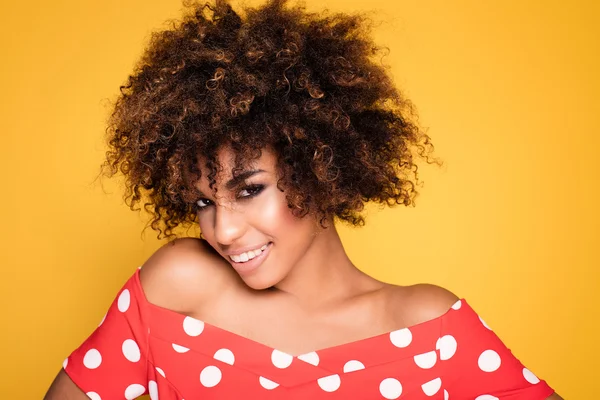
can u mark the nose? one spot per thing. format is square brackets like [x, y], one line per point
[229, 223]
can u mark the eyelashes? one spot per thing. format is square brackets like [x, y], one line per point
[252, 190]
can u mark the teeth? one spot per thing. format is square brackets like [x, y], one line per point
[249, 255]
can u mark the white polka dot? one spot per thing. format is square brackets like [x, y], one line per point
[530, 376]
[486, 397]
[225, 355]
[153, 389]
[160, 371]
[281, 359]
[311, 358]
[401, 337]
[426, 360]
[447, 347]
[353, 365]
[93, 396]
[180, 349]
[92, 359]
[484, 324]
[210, 376]
[330, 383]
[101, 322]
[489, 361]
[390, 388]
[65, 363]
[446, 395]
[457, 305]
[193, 326]
[267, 383]
[134, 391]
[432, 387]
[131, 351]
[124, 300]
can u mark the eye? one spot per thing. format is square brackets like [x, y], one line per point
[200, 205]
[251, 190]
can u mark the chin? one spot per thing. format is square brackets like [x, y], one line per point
[260, 281]
[258, 287]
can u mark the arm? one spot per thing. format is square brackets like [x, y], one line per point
[483, 364]
[174, 277]
[63, 388]
[464, 376]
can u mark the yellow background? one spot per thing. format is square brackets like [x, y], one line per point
[508, 90]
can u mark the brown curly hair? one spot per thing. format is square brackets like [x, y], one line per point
[307, 85]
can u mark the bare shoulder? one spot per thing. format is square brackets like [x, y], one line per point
[184, 273]
[423, 302]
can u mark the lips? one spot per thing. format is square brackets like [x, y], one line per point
[248, 267]
[238, 254]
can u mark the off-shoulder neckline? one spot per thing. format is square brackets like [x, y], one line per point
[458, 305]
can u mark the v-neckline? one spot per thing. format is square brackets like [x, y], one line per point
[329, 349]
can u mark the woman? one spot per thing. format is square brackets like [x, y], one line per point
[264, 130]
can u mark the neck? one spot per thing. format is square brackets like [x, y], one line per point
[325, 275]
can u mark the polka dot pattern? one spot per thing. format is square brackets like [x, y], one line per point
[530, 377]
[134, 390]
[432, 387]
[281, 359]
[426, 360]
[225, 355]
[124, 301]
[192, 326]
[353, 365]
[330, 383]
[153, 390]
[179, 349]
[457, 305]
[93, 396]
[131, 351]
[390, 388]
[267, 383]
[489, 361]
[311, 358]
[484, 324]
[141, 349]
[210, 376]
[92, 359]
[401, 338]
[447, 346]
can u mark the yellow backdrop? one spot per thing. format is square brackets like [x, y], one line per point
[508, 90]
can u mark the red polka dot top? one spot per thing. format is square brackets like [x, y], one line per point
[140, 348]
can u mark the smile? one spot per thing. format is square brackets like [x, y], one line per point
[247, 267]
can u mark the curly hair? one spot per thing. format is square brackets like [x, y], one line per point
[307, 85]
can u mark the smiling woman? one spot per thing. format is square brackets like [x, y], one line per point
[265, 130]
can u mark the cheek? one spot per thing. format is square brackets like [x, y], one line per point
[273, 213]
[276, 218]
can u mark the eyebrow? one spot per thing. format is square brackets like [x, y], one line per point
[235, 181]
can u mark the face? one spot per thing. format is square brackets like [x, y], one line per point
[250, 215]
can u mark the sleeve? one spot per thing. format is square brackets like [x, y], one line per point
[112, 362]
[477, 365]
